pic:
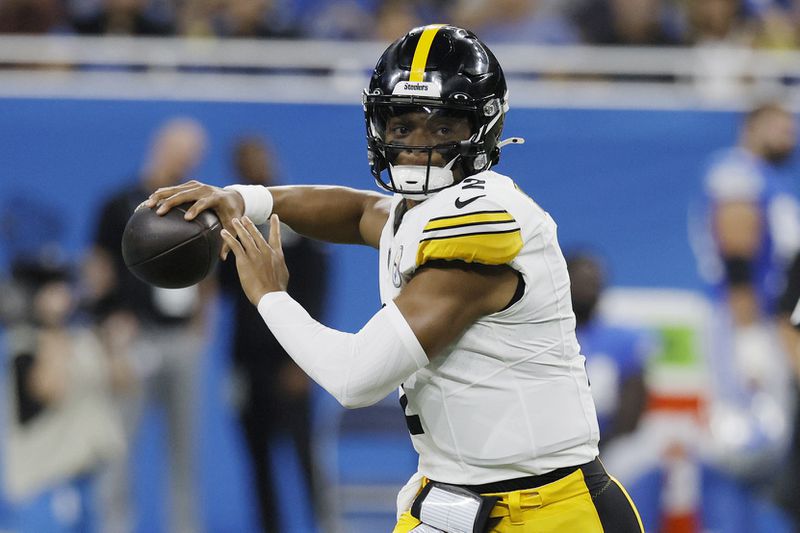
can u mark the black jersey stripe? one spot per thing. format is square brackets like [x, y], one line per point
[470, 235]
[460, 215]
[467, 224]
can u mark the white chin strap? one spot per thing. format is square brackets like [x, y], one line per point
[409, 180]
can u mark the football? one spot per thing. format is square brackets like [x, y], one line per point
[168, 251]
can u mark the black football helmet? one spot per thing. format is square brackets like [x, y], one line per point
[441, 70]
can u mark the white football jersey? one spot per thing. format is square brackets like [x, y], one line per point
[510, 398]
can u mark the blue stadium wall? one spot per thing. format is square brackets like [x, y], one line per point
[616, 181]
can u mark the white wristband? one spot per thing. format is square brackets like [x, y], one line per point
[258, 201]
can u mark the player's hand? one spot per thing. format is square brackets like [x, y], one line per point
[260, 264]
[226, 204]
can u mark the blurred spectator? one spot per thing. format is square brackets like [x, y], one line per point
[717, 21]
[615, 357]
[523, 21]
[195, 18]
[169, 326]
[32, 16]
[252, 19]
[338, 19]
[62, 423]
[628, 22]
[775, 26]
[393, 19]
[750, 228]
[122, 17]
[275, 399]
[748, 231]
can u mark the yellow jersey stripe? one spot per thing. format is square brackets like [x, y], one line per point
[470, 218]
[421, 52]
[491, 248]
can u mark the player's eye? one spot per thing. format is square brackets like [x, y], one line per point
[400, 130]
[443, 128]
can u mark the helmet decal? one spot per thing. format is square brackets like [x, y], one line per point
[418, 88]
[421, 53]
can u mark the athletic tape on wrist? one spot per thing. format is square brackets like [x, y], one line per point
[258, 201]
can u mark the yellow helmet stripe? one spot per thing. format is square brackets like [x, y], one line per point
[421, 53]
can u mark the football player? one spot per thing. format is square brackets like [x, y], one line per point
[477, 329]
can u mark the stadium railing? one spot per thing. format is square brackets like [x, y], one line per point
[705, 77]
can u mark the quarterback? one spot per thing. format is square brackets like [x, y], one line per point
[476, 330]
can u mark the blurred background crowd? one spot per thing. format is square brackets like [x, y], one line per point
[772, 24]
[129, 408]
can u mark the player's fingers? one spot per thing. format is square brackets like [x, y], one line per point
[234, 245]
[258, 238]
[182, 197]
[206, 202]
[165, 192]
[227, 225]
[223, 254]
[245, 238]
[275, 234]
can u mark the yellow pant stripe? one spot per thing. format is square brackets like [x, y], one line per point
[421, 53]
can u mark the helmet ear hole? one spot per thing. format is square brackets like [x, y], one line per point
[479, 162]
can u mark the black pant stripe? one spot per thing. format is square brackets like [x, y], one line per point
[617, 514]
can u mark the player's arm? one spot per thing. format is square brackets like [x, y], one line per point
[738, 227]
[332, 214]
[359, 369]
[440, 302]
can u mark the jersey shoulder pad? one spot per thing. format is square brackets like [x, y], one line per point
[472, 229]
